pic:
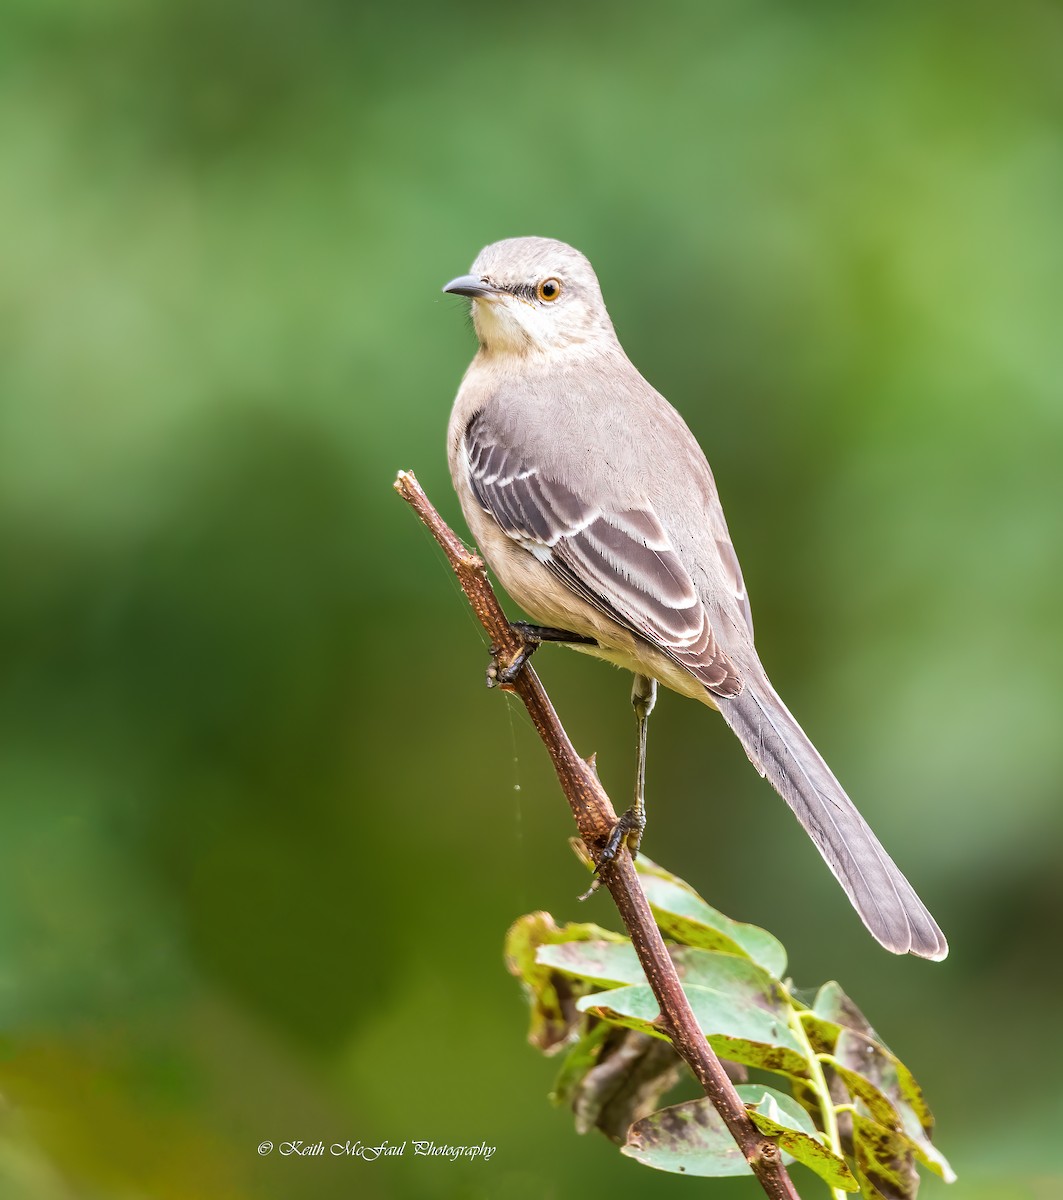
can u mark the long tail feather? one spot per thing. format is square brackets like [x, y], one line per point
[779, 749]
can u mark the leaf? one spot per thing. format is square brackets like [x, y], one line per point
[580, 1058]
[925, 1150]
[588, 991]
[875, 1069]
[597, 962]
[736, 1030]
[634, 1001]
[614, 1076]
[691, 1138]
[772, 1105]
[893, 1112]
[833, 1014]
[735, 974]
[832, 1004]
[791, 1127]
[554, 1017]
[612, 962]
[686, 1139]
[873, 1074]
[913, 1094]
[683, 915]
[885, 1164]
[878, 1103]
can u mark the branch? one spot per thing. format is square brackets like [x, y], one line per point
[595, 819]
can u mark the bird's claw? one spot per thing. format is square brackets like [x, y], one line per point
[626, 832]
[505, 667]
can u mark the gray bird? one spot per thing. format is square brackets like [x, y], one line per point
[596, 508]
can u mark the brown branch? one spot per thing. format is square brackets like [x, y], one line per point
[595, 818]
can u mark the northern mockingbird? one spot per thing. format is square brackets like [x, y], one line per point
[595, 506]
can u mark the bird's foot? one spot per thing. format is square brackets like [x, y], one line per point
[505, 667]
[626, 832]
[504, 670]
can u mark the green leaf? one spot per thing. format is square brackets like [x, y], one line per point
[612, 962]
[691, 1138]
[686, 1139]
[834, 1015]
[736, 1030]
[832, 1004]
[925, 1150]
[587, 987]
[891, 1110]
[773, 1105]
[873, 1074]
[735, 974]
[554, 1018]
[878, 1103]
[683, 915]
[913, 1095]
[821, 1034]
[877, 1068]
[885, 1163]
[634, 1001]
[784, 1120]
[597, 962]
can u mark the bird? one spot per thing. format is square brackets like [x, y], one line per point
[596, 508]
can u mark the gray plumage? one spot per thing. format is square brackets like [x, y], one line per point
[595, 506]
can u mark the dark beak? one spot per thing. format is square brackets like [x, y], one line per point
[471, 285]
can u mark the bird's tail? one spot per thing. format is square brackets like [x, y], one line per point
[779, 749]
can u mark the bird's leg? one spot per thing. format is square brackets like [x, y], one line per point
[630, 826]
[503, 674]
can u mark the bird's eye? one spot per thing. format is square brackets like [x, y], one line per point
[549, 290]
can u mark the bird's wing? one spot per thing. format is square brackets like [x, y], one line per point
[733, 573]
[621, 562]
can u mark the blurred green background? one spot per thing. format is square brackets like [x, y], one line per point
[263, 828]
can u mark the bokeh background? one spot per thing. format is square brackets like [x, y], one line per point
[262, 827]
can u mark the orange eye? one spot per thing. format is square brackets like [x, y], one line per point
[549, 290]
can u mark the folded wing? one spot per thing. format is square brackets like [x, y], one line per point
[622, 562]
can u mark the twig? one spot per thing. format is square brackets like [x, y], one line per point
[595, 818]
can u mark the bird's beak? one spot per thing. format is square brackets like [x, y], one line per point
[471, 285]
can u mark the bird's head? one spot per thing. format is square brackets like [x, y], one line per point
[534, 294]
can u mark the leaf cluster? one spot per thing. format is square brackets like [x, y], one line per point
[839, 1101]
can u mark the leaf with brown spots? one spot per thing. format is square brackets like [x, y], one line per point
[690, 1138]
[738, 1031]
[588, 993]
[552, 996]
[885, 1161]
[613, 1077]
